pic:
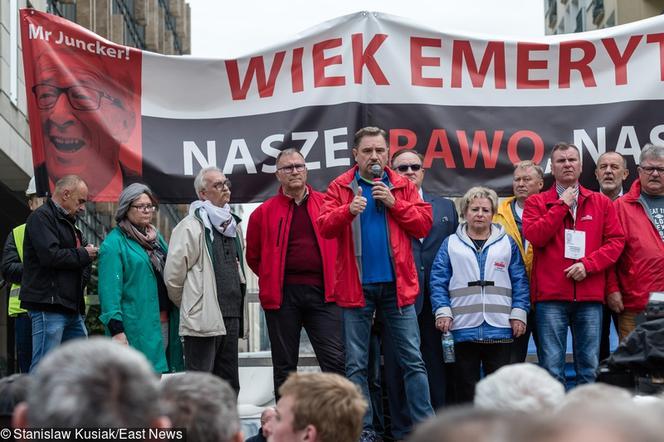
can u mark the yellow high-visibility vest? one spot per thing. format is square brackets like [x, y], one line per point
[14, 305]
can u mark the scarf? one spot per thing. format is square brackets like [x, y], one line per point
[148, 241]
[218, 217]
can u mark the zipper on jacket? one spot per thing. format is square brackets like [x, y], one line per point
[281, 220]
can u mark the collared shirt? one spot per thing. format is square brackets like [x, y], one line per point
[560, 189]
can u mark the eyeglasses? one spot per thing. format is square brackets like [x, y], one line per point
[220, 185]
[145, 207]
[80, 97]
[651, 169]
[292, 168]
[405, 167]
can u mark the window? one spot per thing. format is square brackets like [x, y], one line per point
[579, 21]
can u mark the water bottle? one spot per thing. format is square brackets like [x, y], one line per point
[448, 347]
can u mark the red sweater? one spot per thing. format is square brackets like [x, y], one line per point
[267, 243]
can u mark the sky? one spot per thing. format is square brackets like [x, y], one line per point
[229, 29]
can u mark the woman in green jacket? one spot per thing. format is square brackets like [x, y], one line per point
[134, 303]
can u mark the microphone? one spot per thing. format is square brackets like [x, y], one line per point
[377, 173]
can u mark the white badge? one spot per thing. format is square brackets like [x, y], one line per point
[575, 244]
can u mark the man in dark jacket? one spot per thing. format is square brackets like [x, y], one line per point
[295, 266]
[56, 267]
[408, 163]
[12, 271]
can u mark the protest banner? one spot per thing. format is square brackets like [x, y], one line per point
[472, 105]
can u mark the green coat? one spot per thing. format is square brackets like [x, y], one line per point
[128, 293]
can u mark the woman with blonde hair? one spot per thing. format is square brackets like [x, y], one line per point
[479, 291]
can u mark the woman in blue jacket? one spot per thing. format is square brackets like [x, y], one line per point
[134, 304]
[479, 291]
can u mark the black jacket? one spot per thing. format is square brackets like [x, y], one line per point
[12, 267]
[55, 270]
[445, 223]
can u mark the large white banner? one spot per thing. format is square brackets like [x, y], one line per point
[472, 106]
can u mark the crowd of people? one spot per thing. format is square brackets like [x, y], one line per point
[374, 265]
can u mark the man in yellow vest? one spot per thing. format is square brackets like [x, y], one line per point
[12, 270]
[528, 180]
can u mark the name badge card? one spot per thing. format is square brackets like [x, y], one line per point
[575, 244]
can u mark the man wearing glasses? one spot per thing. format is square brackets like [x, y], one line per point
[639, 270]
[295, 266]
[205, 279]
[85, 120]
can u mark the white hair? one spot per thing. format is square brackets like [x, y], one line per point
[519, 387]
[587, 395]
[200, 183]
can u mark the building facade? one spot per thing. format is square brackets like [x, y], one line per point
[155, 25]
[567, 16]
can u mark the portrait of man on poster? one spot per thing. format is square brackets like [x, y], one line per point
[88, 107]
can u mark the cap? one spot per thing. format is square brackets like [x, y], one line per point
[32, 187]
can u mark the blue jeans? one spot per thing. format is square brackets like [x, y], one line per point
[400, 325]
[552, 320]
[50, 329]
[23, 339]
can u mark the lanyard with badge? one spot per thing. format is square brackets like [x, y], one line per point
[575, 240]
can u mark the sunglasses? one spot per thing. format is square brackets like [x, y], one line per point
[405, 167]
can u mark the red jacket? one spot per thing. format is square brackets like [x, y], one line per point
[267, 242]
[545, 218]
[410, 217]
[640, 269]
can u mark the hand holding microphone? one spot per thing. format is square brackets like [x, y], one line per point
[380, 192]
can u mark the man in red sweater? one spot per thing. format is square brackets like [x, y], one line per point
[640, 268]
[295, 266]
[576, 237]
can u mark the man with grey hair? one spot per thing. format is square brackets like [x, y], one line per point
[610, 172]
[469, 424]
[56, 268]
[520, 387]
[576, 238]
[204, 405]
[93, 383]
[295, 266]
[204, 278]
[639, 269]
[528, 180]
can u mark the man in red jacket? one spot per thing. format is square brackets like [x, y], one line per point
[374, 213]
[640, 269]
[576, 237]
[295, 269]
